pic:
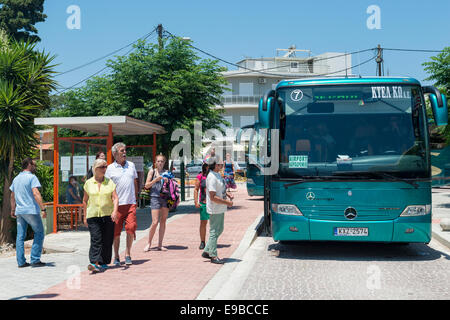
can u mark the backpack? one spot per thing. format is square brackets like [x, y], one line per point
[171, 193]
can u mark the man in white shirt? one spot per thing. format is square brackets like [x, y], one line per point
[123, 174]
[216, 205]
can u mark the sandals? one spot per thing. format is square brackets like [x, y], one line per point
[94, 268]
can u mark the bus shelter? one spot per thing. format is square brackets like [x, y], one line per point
[105, 128]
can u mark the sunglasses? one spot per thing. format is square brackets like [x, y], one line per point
[103, 167]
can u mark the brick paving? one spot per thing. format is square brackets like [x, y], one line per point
[178, 272]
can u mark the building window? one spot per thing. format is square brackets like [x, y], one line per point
[246, 89]
[295, 66]
[229, 119]
[247, 120]
[228, 89]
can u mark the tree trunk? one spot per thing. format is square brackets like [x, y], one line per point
[5, 222]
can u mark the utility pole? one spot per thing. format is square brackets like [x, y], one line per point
[379, 60]
[159, 28]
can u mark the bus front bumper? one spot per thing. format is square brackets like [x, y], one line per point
[402, 229]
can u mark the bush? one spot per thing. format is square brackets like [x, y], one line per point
[44, 173]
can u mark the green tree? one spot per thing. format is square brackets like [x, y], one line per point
[439, 70]
[25, 84]
[18, 17]
[172, 87]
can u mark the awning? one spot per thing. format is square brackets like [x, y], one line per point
[121, 125]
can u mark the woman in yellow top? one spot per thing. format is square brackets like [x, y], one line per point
[101, 205]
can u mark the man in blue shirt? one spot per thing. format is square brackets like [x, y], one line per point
[26, 206]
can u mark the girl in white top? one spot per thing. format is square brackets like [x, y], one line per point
[216, 205]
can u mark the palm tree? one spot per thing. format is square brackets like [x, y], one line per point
[25, 84]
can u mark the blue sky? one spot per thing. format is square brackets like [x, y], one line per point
[234, 29]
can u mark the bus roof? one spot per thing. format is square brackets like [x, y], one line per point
[344, 80]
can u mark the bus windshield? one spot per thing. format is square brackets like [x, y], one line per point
[350, 130]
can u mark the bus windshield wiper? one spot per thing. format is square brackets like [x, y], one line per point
[313, 179]
[379, 174]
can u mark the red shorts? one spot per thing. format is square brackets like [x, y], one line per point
[127, 214]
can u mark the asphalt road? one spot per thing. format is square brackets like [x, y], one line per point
[331, 270]
[337, 270]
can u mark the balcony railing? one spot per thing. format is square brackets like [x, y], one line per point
[236, 99]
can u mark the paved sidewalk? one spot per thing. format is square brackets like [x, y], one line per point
[177, 272]
[441, 209]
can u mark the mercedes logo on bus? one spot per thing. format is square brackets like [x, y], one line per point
[310, 196]
[350, 213]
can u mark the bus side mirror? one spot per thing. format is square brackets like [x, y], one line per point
[241, 131]
[265, 109]
[438, 105]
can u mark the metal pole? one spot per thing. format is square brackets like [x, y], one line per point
[41, 136]
[109, 144]
[154, 150]
[160, 31]
[183, 182]
[55, 177]
[379, 60]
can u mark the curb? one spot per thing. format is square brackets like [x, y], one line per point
[220, 279]
[46, 248]
[436, 234]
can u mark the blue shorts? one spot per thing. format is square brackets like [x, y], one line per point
[158, 203]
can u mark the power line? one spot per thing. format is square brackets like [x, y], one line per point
[92, 75]
[107, 55]
[413, 50]
[346, 69]
[314, 60]
[106, 67]
[273, 74]
[260, 71]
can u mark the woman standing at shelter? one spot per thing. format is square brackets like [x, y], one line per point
[99, 155]
[158, 205]
[101, 205]
[200, 202]
[229, 173]
[216, 205]
[73, 192]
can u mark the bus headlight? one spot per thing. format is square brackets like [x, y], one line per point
[288, 209]
[411, 211]
[250, 181]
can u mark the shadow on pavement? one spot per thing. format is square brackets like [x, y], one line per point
[230, 260]
[175, 247]
[355, 251]
[223, 246]
[37, 296]
[255, 199]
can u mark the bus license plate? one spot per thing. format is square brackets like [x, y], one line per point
[351, 232]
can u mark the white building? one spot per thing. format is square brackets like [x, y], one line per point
[256, 76]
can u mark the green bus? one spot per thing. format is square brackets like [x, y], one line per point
[348, 159]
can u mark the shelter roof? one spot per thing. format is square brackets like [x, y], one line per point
[121, 125]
